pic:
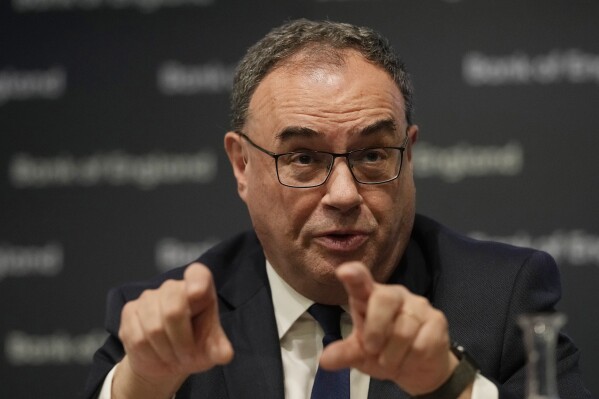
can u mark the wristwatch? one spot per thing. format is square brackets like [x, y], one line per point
[462, 376]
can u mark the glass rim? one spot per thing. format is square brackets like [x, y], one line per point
[333, 156]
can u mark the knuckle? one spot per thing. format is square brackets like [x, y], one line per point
[388, 296]
[439, 318]
[174, 310]
[128, 315]
[154, 333]
[385, 297]
[146, 297]
[421, 302]
[375, 335]
[421, 351]
[168, 285]
[401, 333]
[128, 310]
[137, 343]
[123, 334]
[132, 342]
[402, 290]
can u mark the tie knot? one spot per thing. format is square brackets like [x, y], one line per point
[328, 316]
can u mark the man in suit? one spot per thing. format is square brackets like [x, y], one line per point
[321, 148]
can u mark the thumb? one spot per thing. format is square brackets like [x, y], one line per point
[342, 354]
[218, 346]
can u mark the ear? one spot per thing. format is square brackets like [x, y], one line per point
[413, 134]
[238, 158]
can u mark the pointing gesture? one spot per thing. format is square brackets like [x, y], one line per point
[169, 333]
[397, 335]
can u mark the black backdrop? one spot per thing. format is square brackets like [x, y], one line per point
[112, 114]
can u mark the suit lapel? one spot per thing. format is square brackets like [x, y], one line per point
[248, 320]
[251, 327]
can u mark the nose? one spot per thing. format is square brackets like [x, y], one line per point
[342, 190]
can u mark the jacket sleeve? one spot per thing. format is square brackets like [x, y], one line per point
[537, 289]
[112, 351]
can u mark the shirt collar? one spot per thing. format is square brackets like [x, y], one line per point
[289, 304]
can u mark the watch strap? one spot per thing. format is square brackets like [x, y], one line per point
[462, 376]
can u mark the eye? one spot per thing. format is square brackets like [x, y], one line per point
[372, 155]
[302, 158]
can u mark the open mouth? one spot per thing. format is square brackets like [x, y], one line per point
[344, 242]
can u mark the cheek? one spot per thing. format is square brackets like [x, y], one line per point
[277, 210]
[382, 202]
[262, 197]
[391, 206]
[261, 191]
[300, 207]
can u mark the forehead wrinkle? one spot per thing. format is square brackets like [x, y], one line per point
[349, 111]
[386, 126]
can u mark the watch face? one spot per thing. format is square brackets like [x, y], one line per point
[458, 350]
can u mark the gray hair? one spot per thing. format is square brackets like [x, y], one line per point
[291, 38]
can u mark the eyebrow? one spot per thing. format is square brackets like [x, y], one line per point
[378, 126]
[291, 132]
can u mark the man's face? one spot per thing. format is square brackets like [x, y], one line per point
[307, 233]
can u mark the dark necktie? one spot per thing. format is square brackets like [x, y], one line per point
[329, 384]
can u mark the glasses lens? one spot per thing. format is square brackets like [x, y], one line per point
[304, 169]
[376, 165]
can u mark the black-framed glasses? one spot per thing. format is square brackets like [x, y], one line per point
[307, 168]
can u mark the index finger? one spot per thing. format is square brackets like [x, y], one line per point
[182, 301]
[357, 281]
[200, 288]
[207, 330]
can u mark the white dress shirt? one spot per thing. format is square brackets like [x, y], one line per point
[301, 341]
[301, 345]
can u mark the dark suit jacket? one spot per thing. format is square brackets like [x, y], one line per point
[481, 287]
